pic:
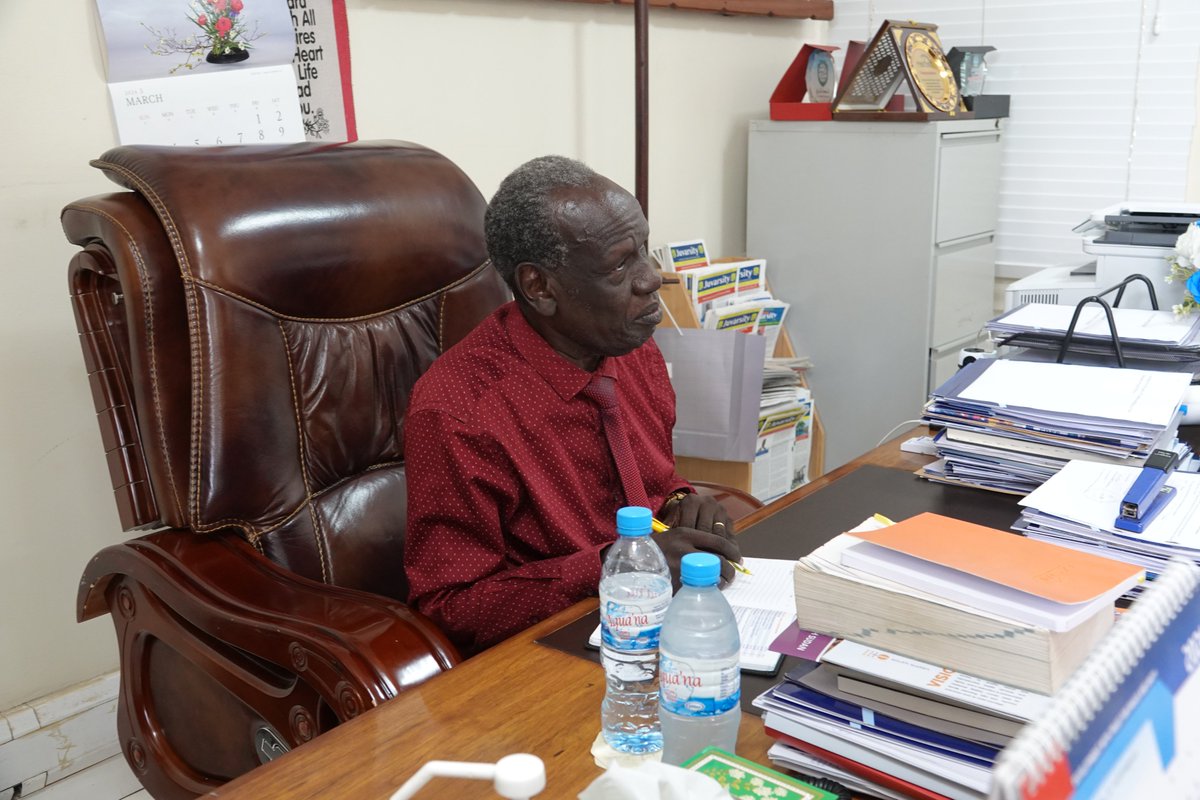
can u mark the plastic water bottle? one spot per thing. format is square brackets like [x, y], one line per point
[700, 680]
[635, 589]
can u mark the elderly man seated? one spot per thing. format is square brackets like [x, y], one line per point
[523, 440]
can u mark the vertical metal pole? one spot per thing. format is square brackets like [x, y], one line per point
[641, 34]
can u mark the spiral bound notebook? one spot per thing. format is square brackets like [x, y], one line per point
[1127, 724]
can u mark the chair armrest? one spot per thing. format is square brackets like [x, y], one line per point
[336, 639]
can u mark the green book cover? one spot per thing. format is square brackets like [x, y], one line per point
[745, 779]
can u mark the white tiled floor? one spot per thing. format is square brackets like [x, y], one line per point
[111, 779]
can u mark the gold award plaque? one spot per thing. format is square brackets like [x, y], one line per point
[903, 53]
[934, 78]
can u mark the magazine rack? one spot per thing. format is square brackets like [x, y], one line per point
[731, 473]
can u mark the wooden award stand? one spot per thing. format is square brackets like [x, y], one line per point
[730, 473]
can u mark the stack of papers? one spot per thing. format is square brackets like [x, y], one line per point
[1080, 504]
[784, 445]
[1144, 334]
[1011, 425]
[782, 382]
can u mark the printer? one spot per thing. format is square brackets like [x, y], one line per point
[1120, 240]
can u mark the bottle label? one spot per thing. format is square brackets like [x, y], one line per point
[698, 687]
[631, 615]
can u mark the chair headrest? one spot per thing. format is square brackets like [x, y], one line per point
[327, 219]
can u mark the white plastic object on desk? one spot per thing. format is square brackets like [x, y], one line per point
[516, 777]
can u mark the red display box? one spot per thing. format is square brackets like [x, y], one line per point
[787, 101]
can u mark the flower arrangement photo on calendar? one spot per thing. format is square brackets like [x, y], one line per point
[202, 73]
[224, 36]
[1185, 269]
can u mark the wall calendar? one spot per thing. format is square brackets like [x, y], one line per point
[201, 73]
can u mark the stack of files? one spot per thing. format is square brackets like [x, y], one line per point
[1010, 424]
[1078, 508]
[1144, 334]
[890, 726]
[977, 600]
[1014, 465]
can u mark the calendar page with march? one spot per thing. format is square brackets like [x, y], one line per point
[201, 72]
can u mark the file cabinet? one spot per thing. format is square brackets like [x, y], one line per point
[881, 236]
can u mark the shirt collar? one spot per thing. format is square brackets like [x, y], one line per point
[564, 377]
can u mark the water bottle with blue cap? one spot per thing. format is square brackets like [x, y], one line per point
[699, 676]
[635, 589]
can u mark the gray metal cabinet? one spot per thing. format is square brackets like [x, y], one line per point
[881, 236]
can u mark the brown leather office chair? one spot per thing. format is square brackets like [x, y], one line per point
[253, 320]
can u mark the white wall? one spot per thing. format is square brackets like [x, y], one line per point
[489, 83]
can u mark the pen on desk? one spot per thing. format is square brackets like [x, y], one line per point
[658, 526]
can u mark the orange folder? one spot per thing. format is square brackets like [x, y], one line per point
[1040, 568]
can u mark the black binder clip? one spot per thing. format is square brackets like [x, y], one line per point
[1149, 494]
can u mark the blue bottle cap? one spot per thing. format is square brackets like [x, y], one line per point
[633, 521]
[700, 569]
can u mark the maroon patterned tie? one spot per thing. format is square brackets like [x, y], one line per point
[602, 391]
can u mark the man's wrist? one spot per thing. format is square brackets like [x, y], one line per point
[672, 500]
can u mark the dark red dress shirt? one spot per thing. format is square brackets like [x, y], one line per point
[512, 490]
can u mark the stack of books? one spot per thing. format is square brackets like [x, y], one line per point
[971, 598]
[893, 726]
[1010, 425]
[948, 636]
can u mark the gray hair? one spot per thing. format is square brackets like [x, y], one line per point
[519, 225]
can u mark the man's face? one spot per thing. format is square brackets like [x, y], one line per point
[607, 291]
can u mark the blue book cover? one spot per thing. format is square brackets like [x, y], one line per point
[820, 705]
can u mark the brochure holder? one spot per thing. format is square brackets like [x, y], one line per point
[730, 473]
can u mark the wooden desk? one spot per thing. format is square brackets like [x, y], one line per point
[517, 697]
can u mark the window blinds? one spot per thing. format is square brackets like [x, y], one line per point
[1102, 105]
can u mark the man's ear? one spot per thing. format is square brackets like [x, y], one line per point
[536, 288]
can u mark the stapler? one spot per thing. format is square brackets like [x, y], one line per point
[1149, 494]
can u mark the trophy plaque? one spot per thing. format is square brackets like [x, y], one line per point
[807, 88]
[818, 77]
[901, 53]
[970, 70]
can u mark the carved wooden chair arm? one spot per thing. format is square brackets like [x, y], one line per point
[269, 658]
[223, 587]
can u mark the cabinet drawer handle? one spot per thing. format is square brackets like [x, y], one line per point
[953, 137]
[972, 239]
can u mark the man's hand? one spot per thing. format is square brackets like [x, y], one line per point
[703, 513]
[678, 542]
[698, 523]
